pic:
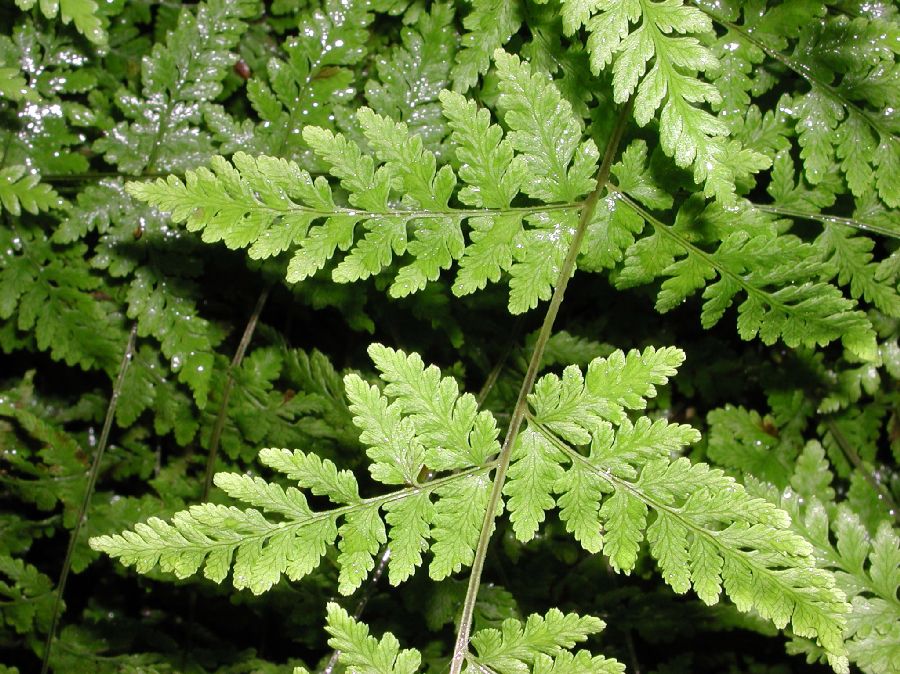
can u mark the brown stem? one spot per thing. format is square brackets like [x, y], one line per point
[88, 493]
[216, 435]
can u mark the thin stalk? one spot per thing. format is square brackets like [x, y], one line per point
[98, 175]
[847, 448]
[88, 492]
[216, 435]
[498, 366]
[829, 219]
[461, 648]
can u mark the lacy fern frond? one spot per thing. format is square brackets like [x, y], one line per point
[542, 644]
[846, 118]
[303, 88]
[617, 483]
[664, 34]
[412, 75]
[178, 75]
[362, 653]
[702, 527]
[780, 276]
[270, 205]
[421, 420]
[867, 569]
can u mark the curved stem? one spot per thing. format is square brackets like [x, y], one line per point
[216, 434]
[828, 219]
[88, 492]
[461, 647]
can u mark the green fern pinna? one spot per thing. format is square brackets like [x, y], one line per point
[531, 179]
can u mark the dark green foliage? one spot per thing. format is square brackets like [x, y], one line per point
[707, 457]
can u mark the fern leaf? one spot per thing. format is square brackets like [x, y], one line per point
[412, 75]
[867, 569]
[446, 421]
[689, 134]
[402, 197]
[699, 523]
[84, 14]
[184, 336]
[279, 534]
[489, 26]
[779, 274]
[542, 642]
[187, 69]
[19, 191]
[362, 653]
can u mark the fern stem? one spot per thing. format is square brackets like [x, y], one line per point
[828, 219]
[216, 434]
[88, 493]
[881, 489]
[691, 249]
[461, 647]
[498, 366]
[804, 72]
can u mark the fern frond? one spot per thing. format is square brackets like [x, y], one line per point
[541, 644]
[23, 190]
[698, 522]
[402, 197]
[176, 76]
[411, 76]
[489, 26]
[420, 415]
[847, 116]
[778, 273]
[362, 653]
[867, 569]
[303, 88]
[664, 34]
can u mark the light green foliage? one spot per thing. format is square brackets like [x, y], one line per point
[664, 35]
[270, 205]
[698, 522]
[404, 433]
[752, 153]
[542, 644]
[362, 653]
[704, 530]
[176, 77]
